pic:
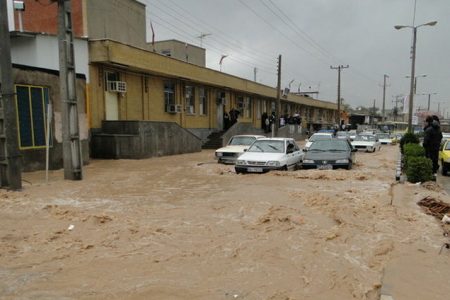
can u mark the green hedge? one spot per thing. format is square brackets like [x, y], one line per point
[408, 138]
[413, 150]
[419, 169]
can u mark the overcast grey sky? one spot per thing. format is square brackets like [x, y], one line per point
[315, 34]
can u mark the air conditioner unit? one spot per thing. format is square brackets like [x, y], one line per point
[116, 86]
[173, 108]
[190, 109]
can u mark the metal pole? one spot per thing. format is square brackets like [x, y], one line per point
[339, 68]
[277, 103]
[11, 167]
[411, 91]
[429, 100]
[384, 98]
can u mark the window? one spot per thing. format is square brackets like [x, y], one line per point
[190, 99]
[247, 107]
[203, 107]
[240, 104]
[31, 104]
[169, 96]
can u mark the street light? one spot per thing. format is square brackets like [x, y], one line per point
[415, 81]
[413, 64]
[429, 98]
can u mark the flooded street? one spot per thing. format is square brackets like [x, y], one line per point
[185, 227]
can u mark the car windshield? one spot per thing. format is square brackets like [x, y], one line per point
[320, 137]
[267, 146]
[365, 138]
[330, 145]
[383, 136]
[242, 140]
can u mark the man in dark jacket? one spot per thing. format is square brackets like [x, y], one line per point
[432, 140]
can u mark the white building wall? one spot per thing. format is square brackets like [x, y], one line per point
[42, 51]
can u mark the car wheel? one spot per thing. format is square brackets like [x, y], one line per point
[349, 166]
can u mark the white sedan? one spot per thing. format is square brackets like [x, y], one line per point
[385, 138]
[369, 142]
[235, 147]
[270, 154]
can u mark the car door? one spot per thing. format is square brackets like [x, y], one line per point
[292, 153]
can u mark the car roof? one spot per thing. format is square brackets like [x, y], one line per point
[249, 135]
[276, 139]
[323, 133]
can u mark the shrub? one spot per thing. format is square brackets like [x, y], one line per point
[412, 150]
[408, 138]
[419, 169]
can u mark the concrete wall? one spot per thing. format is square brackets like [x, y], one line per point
[119, 20]
[41, 51]
[142, 139]
[34, 159]
[190, 53]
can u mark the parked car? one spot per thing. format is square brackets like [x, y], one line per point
[270, 154]
[344, 135]
[235, 147]
[331, 154]
[385, 138]
[445, 136]
[352, 134]
[367, 142]
[318, 136]
[444, 156]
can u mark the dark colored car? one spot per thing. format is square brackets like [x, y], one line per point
[329, 154]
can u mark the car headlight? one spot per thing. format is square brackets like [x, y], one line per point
[219, 154]
[308, 161]
[241, 162]
[342, 161]
[273, 163]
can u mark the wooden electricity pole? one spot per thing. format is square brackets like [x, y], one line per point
[10, 161]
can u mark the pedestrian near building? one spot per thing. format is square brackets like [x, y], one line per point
[432, 140]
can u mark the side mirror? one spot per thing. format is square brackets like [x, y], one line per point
[245, 150]
[305, 150]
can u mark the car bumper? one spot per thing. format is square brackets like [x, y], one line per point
[324, 166]
[255, 169]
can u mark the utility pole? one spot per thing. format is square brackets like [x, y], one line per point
[384, 98]
[277, 103]
[10, 161]
[339, 68]
[373, 113]
[398, 99]
[72, 159]
[255, 70]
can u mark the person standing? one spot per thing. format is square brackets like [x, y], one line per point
[432, 141]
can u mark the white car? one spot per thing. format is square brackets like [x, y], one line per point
[319, 136]
[367, 142]
[270, 154]
[235, 147]
[385, 138]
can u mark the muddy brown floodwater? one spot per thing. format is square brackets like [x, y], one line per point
[185, 227]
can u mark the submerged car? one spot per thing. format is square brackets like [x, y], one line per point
[444, 157]
[318, 137]
[331, 154]
[270, 154]
[367, 142]
[385, 138]
[235, 147]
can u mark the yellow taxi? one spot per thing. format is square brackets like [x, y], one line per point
[444, 156]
